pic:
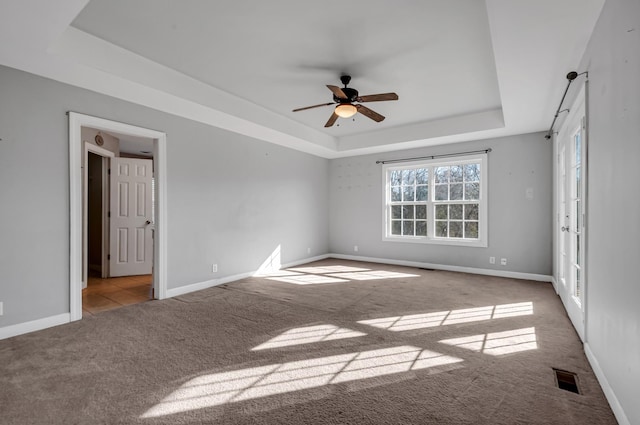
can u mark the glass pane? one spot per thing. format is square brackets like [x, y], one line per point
[407, 228]
[456, 173]
[578, 182]
[407, 212]
[471, 230]
[442, 212]
[422, 193]
[396, 227]
[442, 174]
[408, 177]
[396, 177]
[396, 211]
[578, 249]
[455, 229]
[472, 172]
[471, 191]
[455, 212]
[578, 217]
[396, 195]
[421, 228]
[471, 212]
[408, 193]
[578, 142]
[441, 229]
[422, 176]
[455, 192]
[421, 212]
[442, 192]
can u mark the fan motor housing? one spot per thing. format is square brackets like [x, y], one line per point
[352, 96]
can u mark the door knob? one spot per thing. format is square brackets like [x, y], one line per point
[565, 229]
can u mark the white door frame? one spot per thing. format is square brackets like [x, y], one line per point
[104, 153]
[76, 122]
[576, 307]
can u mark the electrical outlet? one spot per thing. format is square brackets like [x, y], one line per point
[492, 260]
[214, 268]
[355, 248]
[503, 261]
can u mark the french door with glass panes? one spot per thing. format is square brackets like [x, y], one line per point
[571, 148]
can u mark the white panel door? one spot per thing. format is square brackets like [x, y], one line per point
[130, 234]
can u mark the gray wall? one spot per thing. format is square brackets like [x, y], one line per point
[231, 199]
[519, 228]
[613, 249]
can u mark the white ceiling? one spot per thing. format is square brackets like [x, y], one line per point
[463, 69]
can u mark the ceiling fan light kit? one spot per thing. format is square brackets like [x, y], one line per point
[346, 98]
[346, 110]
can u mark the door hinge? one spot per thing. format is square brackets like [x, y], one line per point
[109, 214]
[109, 257]
[109, 171]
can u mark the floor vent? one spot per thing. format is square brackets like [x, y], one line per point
[567, 381]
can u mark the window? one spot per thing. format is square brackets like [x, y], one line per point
[436, 201]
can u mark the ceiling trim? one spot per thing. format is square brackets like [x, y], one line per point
[45, 44]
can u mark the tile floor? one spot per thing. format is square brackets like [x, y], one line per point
[107, 294]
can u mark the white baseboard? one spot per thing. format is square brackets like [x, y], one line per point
[34, 325]
[174, 292]
[618, 412]
[554, 282]
[488, 272]
[199, 286]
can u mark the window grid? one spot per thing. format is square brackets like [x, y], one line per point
[409, 191]
[456, 193]
[436, 201]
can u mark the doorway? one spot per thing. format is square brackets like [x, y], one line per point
[571, 174]
[87, 265]
[118, 205]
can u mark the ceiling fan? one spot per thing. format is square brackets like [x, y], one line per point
[345, 99]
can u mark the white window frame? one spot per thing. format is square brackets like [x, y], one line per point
[480, 242]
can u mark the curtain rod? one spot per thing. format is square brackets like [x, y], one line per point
[390, 161]
[570, 76]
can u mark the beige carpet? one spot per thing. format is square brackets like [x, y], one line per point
[332, 342]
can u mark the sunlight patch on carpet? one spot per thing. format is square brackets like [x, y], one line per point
[498, 343]
[372, 275]
[227, 387]
[308, 334]
[323, 274]
[300, 277]
[450, 317]
[307, 279]
[327, 269]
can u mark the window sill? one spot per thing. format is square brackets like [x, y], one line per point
[478, 243]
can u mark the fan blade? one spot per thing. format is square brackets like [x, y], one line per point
[369, 113]
[337, 92]
[332, 120]
[378, 97]
[314, 106]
